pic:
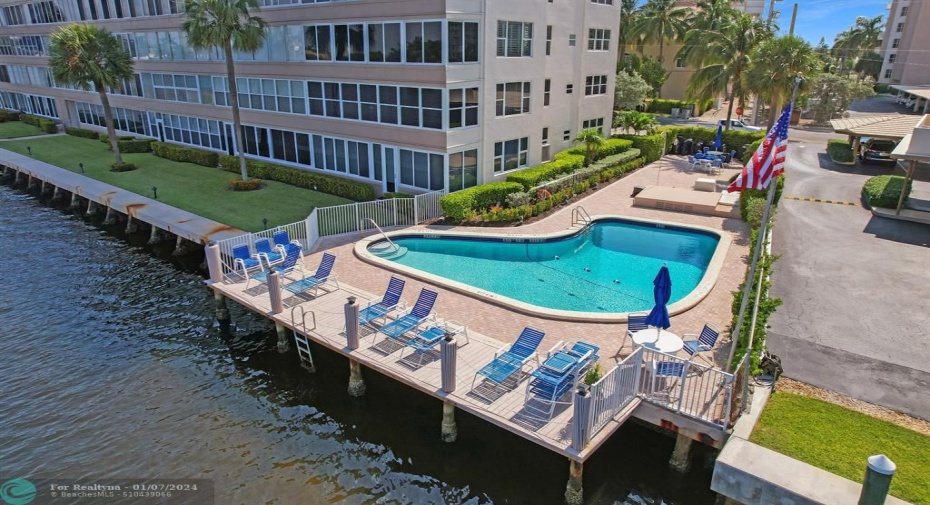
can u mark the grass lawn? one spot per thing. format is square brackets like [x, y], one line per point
[16, 129]
[201, 190]
[839, 440]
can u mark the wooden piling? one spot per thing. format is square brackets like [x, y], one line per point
[222, 311]
[91, 208]
[75, 202]
[574, 491]
[449, 430]
[356, 382]
[111, 216]
[131, 225]
[681, 456]
[156, 235]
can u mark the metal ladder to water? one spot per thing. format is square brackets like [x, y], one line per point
[580, 216]
[302, 342]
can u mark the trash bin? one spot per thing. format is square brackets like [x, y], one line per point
[675, 112]
[685, 113]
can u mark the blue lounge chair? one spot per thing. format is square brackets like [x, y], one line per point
[313, 282]
[264, 251]
[243, 262]
[704, 343]
[282, 239]
[636, 322]
[664, 371]
[388, 303]
[562, 369]
[291, 262]
[421, 310]
[510, 362]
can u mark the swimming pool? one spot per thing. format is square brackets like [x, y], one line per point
[601, 272]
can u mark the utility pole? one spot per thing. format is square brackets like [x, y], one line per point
[794, 17]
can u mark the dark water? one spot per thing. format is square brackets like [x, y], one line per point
[112, 367]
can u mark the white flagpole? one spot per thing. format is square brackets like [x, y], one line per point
[760, 243]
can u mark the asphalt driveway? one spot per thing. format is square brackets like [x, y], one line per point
[856, 288]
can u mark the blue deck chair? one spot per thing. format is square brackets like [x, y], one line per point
[703, 344]
[263, 251]
[313, 282]
[411, 319]
[664, 371]
[510, 362]
[388, 303]
[291, 262]
[636, 322]
[244, 262]
[282, 239]
[557, 375]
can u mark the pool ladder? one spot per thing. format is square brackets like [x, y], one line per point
[580, 217]
[302, 342]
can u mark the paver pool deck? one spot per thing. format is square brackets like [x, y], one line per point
[505, 325]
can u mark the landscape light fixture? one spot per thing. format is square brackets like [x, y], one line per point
[265, 223]
[81, 166]
[29, 148]
[155, 192]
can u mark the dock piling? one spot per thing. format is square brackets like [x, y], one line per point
[57, 194]
[449, 430]
[574, 492]
[111, 216]
[447, 356]
[878, 474]
[131, 225]
[181, 247]
[351, 313]
[32, 183]
[356, 382]
[222, 312]
[214, 261]
[284, 343]
[681, 456]
[75, 201]
[91, 208]
[156, 235]
[274, 292]
[581, 410]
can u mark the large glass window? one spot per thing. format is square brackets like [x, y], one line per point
[125, 120]
[463, 170]
[418, 107]
[463, 42]
[316, 42]
[350, 42]
[424, 42]
[513, 98]
[421, 170]
[514, 39]
[172, 87]
[598, 39]
[463, 107]
[510, 154]
[595, 85]
[276, 95]
[384, 42]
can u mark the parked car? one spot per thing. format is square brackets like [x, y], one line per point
[876, 151]
[736, 124]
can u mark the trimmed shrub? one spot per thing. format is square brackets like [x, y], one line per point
[650, 146]
[747, 195]
[103, 137]
[884, 191]
[664, 106]
[185, 154]
[30, 119]
[240, 185]
[613, 146]
[734, 139]
[329, 184]
[82, 132]
[881, 88]
[9, 115]
[561, 165]
[751, 149]
[518, 199]
[840, 151]
[125, 167]
[48, 126]
[135, 146]
[460, 204]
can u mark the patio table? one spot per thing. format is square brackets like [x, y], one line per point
[652, 339]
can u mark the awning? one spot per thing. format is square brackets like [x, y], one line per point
[921, 91]
[882, 127]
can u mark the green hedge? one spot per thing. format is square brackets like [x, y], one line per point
[460, 204]
[531, 177]
[613, 146]
[734, 139]
[82, 132]
[185, 154]
[135, 145]
[125, 167]
[649, 145]
[48, 126]
[103, 137]
[330, 184]
[840, 151]
[665, 106]
[747, 196]
[881, 88]
[30, 119]
[9, 115]
[884, 191]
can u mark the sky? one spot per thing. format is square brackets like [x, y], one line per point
[826, 18]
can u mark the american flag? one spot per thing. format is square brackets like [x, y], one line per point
[769, 159]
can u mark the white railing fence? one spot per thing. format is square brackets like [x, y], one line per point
[298, 231]
[699, 392]
[614, 391]
[427, 205]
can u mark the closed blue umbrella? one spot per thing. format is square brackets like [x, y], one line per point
[662, 293]
[718, 140]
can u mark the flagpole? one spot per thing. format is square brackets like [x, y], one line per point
[760, 243]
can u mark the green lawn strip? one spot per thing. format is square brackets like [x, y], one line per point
[200, 190]
[16, 129]
[839, 440]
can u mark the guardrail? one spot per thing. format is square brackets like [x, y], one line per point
[700, 392]
[614, 391]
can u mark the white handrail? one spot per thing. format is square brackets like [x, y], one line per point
[580, 215]
[381, 232]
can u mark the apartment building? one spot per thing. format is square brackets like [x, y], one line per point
[409, 95]
[906, 43]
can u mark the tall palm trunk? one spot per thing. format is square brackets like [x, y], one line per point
[730, 98]
[108, 119]
[234, 103]
[773, 109]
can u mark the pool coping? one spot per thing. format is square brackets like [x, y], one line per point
[703, 288]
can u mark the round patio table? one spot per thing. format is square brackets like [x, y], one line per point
[664, 341]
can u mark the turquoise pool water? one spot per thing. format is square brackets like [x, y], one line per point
[609, 267]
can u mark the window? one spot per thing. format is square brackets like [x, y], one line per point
[275, 95]
[567, 135]
[514, 39]
[463, 42]
[126, 120]
[513, 98]
[598, 39]
[421, 170]
[418, 107]
[13, 15]
[172, 87]
[547, 92]
[316, 43]
[510, 154]
[349, 42]
[569, 88]
[45, 12]
[424, 42]
[545, 136]
[195, 131]
[593, 123]
[904, 10]
[888, 74]
[463, 107]
[595, 85]
[548, 40]
[680, 63]
[572, 39]
[4, 74]
[899, 28]
[384, 42]
[895, 43]
[603, 2]
[463, 170]
[891, 58]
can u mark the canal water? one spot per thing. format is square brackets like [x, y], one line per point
[112, 366]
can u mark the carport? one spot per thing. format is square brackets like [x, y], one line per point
[914, 96]
[914, 149]
[879, 127]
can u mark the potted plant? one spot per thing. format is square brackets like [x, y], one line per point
[593, 375]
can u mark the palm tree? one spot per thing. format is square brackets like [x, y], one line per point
[727, 56]
[866, 34]
[230, 26]
[660, 21]
[91, 58]
[711, 19]
[628, 15]
[775, 64]
[592, 140]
